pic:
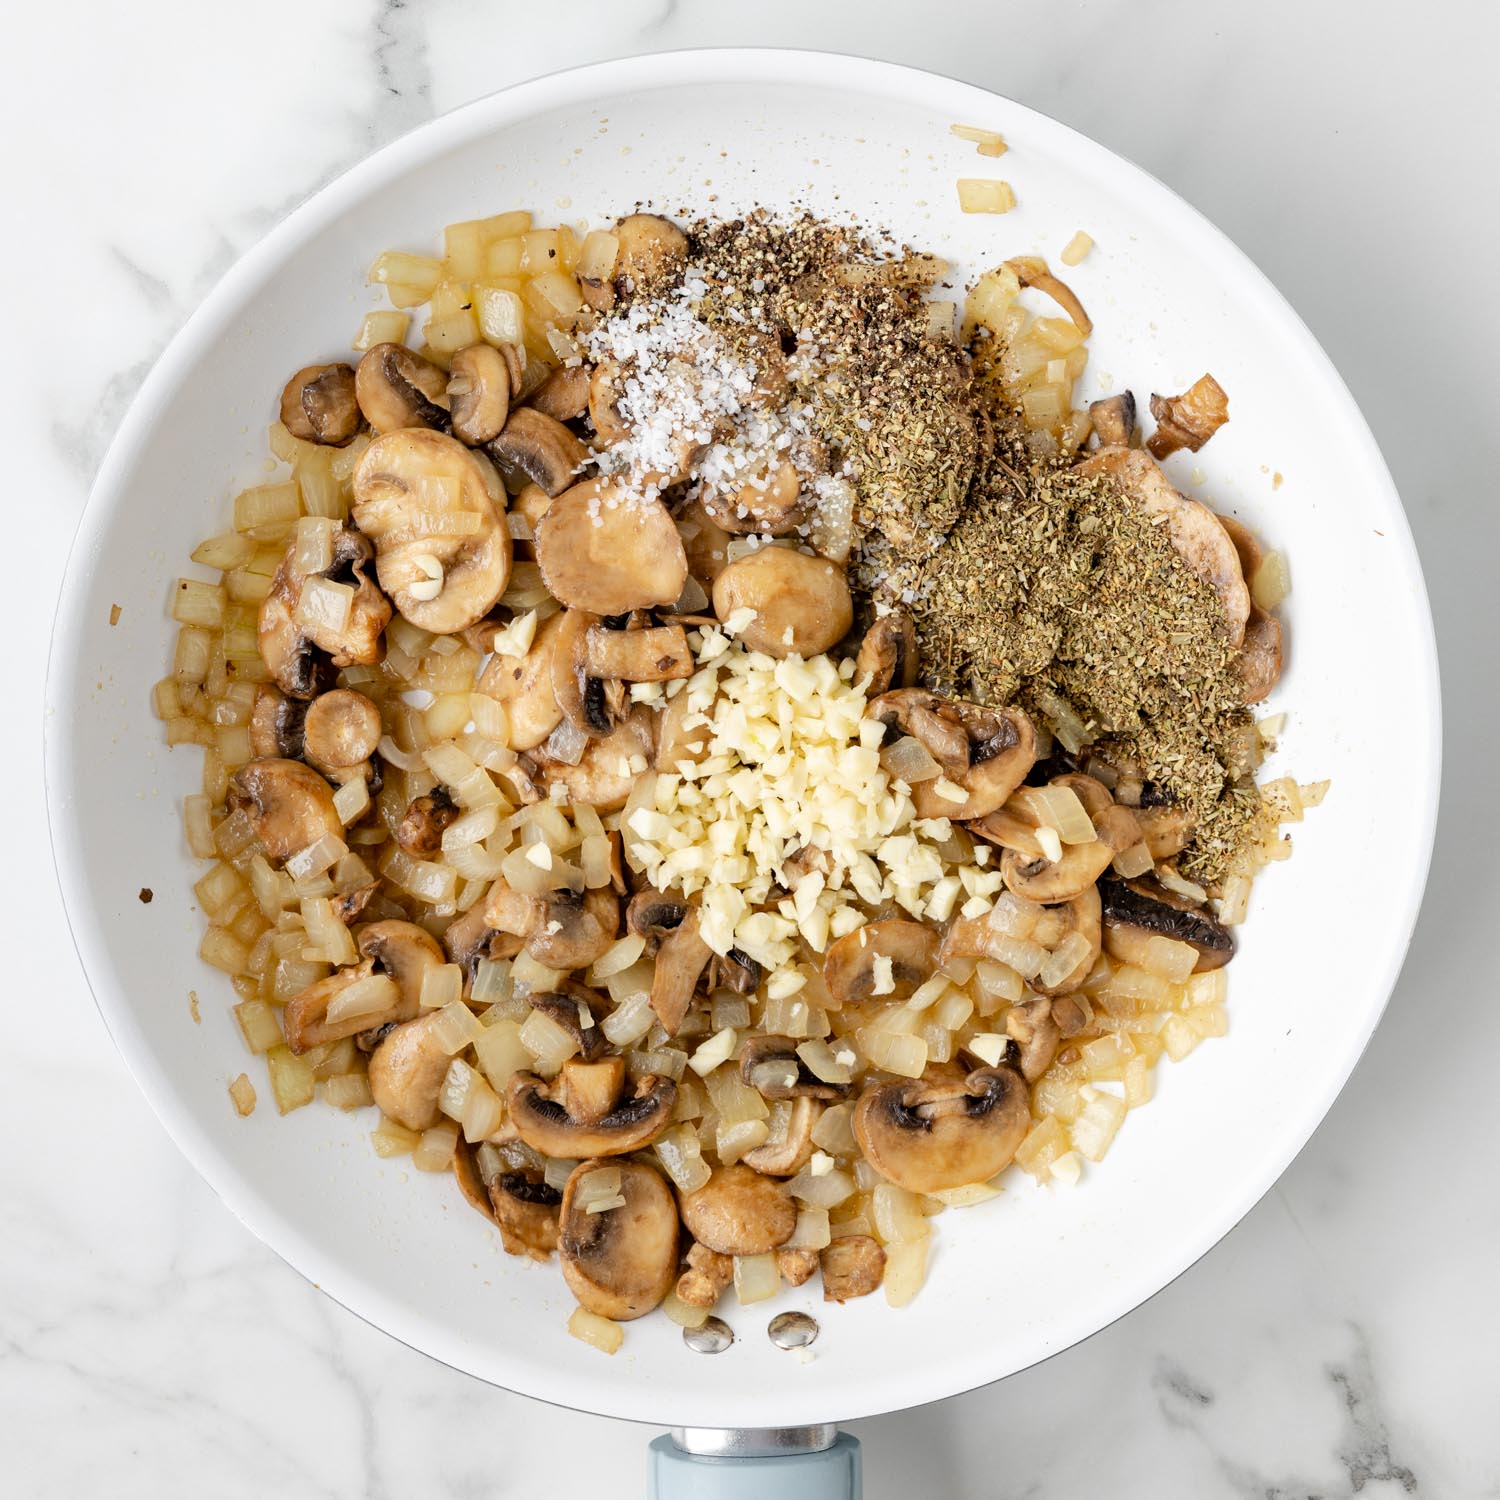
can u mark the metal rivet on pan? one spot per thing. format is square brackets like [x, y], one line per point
[793, 1330]
[712, 1336]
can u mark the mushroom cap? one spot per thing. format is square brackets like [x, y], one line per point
[853, 1266]
[802, 604]
[407, 1071]
[432, 507]
[766, 504]
[789, 1155]
[849, 967]
[1196, 532]
[739, 1212]
[470, 1183]
[587, 923]
[605, 776]
[580, 695]
[1052, 881]
[478, 393]
[620, 1263]
[761, 1048]
[603, 551]
[306, 1015]
[420, 830]
[546, 1126]
[1260, 656]
[539, 447]
[276, 724]
[1034, 1030]
[888, 654]
[528, 1213]
[1145, 909]
[318, 405]
[397, 388]
[291, 805]
[563, 395]
[1055, 925]
[943, 1130]
[524, 686]
[341, 729]
[650, 251]
[404, 951]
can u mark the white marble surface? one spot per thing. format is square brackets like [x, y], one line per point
[1343, 1340]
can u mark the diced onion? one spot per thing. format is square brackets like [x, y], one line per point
[598, 1333]
[905, 1271]
[910, 761]
[364, 997]
[619, 956]
[755, 1278]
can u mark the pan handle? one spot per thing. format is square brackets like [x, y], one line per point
[791, 1463]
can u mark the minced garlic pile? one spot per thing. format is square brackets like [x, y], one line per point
[789, 770]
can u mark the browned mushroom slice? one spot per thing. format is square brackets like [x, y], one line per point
[407, 1071]
[881, 961]
[657, 653]
[801, 604]
[543, 1122]
[1189, 420]
[541, 448]
[602, 550]
[528, 1213]
[590, 702]
[944, 1130]
[621, 1261]
[770, 1064]
[1260, 656]
[708, 1274]
[564, 929]
[1031, 1026]
[1051, 881]
[736, 971]
[470, 1183]
[1196, 532]
[479, 394]
[341, 729]
[1070, 933]
[563, 395]
[302, 641]
[397, 388]
[606, 386]
[277, 725]
[767, 503]
[609, 768]
[524, 686]
[1136, 911]
[318, 405]
[573, 1007]
[853, 1266]
[670, 927]
[1114, 419]
[433, 511]
[420, 831]
[351, 905]
[739, 1212]
[985, 753]
[888, 654]
[651, 253]
[290, 805]
[796, 1266]
[788, 1153]
[705, 541]
[1167, 828]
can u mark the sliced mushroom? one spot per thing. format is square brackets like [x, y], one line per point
[739, 1212]
[1189, 420]
[277, 724]
[609, 768]
[305, 1018]
[1063, 923]
[563, 395]
[1136, 911]
[1089, 790]
[407, 1071]
[1030, 1025]
[736, 971]
[434, 512]
[528, 1213]
[340, 729]
[802, 604]
[420, 831]
[1051, 881]
[318, 405]
[888, 654]
[789, 1154]
[470, 937]
[397, 388]
[904, 954]
[656, 653]
[985, 753]
[620, 1263]
[564, 929]
[607, 552]
[770, 1064]
[1167, 828]
[404, 951]
[651, 253]
[590, 701]
[606, 385]
[796, 1266]
[290, 805]
[853, 1266]
[944, 1130]
[526, 510]
[670, 927]
[573, 1007]
[588, 1091]
[350, 906]
[1113, 418]
[543, 1122]
[1196, 532]
[541, 448]
[708, 1274]
[705, 541]
[300, 652]
[524, 686]
[478, 394]
[1260, 656]
[768, 503]
[470, 1183]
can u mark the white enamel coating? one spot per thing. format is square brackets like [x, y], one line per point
[1015, 1280]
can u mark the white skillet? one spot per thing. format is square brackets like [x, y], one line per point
[1012, 1281]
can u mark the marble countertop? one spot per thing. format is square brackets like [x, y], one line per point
[1343, 1339]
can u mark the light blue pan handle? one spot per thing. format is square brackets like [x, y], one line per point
[800, 1463]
